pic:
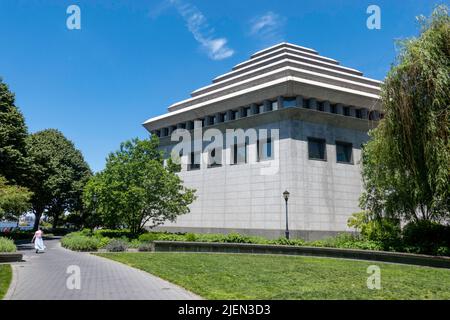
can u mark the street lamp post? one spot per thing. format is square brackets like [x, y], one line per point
[286, 198]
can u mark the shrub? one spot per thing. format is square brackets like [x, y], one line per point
[78, 242]
[443, 251]
[86, 232]
[287, 242]
[427, 237]
[145, 247]
[57, 231]
[104, 242]
[191, 237]
[237, 238]
[149, 237]
[161, 236]
[18, 235]
[384, 230]
[7, 245]
[112, 233]
[211, 237]
[347, 241]
[117, 245]
[135, 243]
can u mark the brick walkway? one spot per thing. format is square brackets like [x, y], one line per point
[44, 277]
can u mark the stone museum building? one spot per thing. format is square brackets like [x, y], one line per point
[311, 116]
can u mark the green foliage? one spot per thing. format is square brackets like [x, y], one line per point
[385, 230]
[135, 189]
[237, 238]
[287, 242]
[116, 245]
[427, 237]
[438, 243]
[58, 174]
[191, 237]
[114, 233]
[347, 241]
[406, 165]
[423, 236]
[13, 133]
[150, 237]
[104, 242]
[78, 242]
[14, 200]
[17, 235]
[134, 243]
[7, 245]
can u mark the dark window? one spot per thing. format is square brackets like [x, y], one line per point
[372, 115]
[261, 108]
[346, 111]
[290, 102]
[358, 113]
[319, 105]
[235, 154]
[266, 152]
[194, 161]
[344, 152]
[316, 149]
[333, 108]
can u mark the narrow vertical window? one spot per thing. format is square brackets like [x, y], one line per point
[344, 152]
[194, 161]
[316, 149]
[265, 149]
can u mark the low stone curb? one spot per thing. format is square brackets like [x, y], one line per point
[382, 256]
[10, 257]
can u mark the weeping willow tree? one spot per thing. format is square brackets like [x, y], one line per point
[406, 164]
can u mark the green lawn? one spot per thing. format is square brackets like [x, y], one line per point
[5, 279]
[244, 276]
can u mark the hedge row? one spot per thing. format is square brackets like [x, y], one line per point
[87, 240]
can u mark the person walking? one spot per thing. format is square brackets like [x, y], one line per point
[38, 240]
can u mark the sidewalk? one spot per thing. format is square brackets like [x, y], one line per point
[44, 276]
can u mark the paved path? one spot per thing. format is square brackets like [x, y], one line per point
[44, 276]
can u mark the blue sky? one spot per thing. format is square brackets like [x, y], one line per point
[132, 59]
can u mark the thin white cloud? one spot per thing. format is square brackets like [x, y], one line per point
[197, 24]
[268, 27]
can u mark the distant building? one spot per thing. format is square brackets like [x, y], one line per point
[316, 114]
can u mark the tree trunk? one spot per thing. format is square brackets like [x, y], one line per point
[55, 221]
[37, 218]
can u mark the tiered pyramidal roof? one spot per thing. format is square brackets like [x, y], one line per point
[285, 70]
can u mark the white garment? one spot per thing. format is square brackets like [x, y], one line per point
[39, 244]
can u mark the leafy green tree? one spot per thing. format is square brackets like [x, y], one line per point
[136, 189]
[13, 133]
[58, 174]
[14, 200]
[406, 165]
